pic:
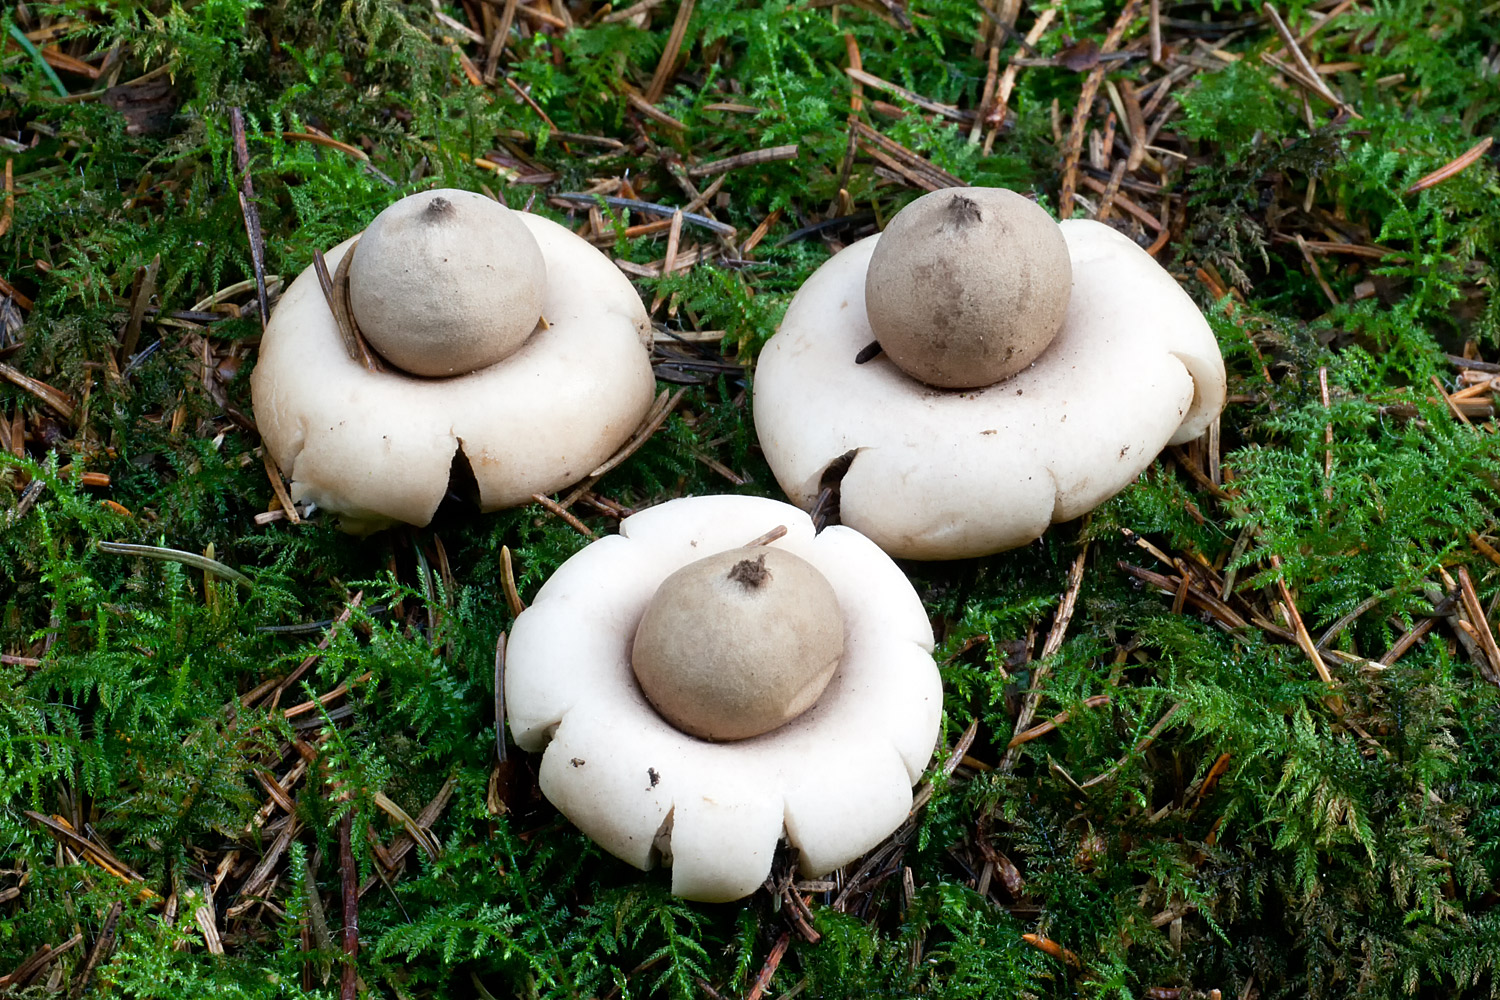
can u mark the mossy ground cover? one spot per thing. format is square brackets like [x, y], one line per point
[1257, 694]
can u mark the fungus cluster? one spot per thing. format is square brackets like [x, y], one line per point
[451, 289]
[697, 700]
[961, 381]
[1102, 361]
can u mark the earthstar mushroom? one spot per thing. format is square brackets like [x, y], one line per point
[932, 473]
[379, 447]
[835, 780]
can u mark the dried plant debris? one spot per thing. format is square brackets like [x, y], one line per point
[1236, 735]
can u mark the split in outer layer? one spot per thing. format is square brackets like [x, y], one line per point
[377, 447]
[949, 474]
[836, 780]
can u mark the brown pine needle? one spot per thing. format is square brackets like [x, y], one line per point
[562, 512]
[508, 583]
[1454, 167]
[670, 53]
[278, 487]
[777, 532]
[1052, 948]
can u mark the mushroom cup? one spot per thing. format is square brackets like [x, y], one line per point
[931, 473]
[834, 781]
[378, 448]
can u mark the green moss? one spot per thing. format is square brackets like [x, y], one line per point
[1278, 850]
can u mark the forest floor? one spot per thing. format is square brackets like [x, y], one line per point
[1235, 734]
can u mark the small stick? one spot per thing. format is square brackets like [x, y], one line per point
[318, 138]
[838, 205]
[773, 960]
[508, 583]
[497, 43]
[995, 118]
[987, 93]
[1314, 80]
[1052, 948]
[670, 53]
[760, 232]
[10, 196]
[775, 533]
[1327, 427]
[1085, 102]
[1407, 641]
[413, 830]
[652, 111]
[325, 282]
[403, 843]
[97, 853]
[635, 204]
[1054, 642]
[1304, 639]
[942, 110]
[655, 417]
[1317, 271]
[192, 559]
[349, 878]
[6, 288]
[145, 287]
[1111, 191]
[904, 161]
[1137, 750]
[324, 699]
[669, 261]
[1124, 203]
[615, 17]
[323, 645]
[343, 311]
[856, 61]
[531, 103]
[1345, 620]
[102, 946]
[1307, 35]
[273, 473]
[1452, 406]
[820, 508]
[39, 959]
[55, 398]
[251, 214]
[1484, 548]
[1038, 731]
[753, 158]
[565, 514]
[800, 913]
[1477, 619]
[1221, 611]
[1156, 31]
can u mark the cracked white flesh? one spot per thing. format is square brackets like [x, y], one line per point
[947, 474]
[378, 447]
[836, 780]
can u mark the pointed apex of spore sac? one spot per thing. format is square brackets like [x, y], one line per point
[438, 209]
[750, 573]
[964, 212]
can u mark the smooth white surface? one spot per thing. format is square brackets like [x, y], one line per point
[946, 474]
[377, 447]
[836, 780]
